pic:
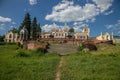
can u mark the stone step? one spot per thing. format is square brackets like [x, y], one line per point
[62, 48]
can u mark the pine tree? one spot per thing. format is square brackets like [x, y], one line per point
[34, 28]
[38, 30]
[27, 23]
[71, 31]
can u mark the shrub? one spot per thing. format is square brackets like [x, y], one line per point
[81, 47]
[53, 42]
[113, 54]
[5, 43]
[20, 45]
[91, 47]
[22, 53]
[11, 43]
[39, 51]
[2, 43]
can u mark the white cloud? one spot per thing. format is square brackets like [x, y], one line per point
[107, 13]
[3, 19]
[2, 26]
[12, 27]
[77, 23]
[109, 26]
[48, 28]
[67, 11]
[62, 5]
[103, 5]
[78, 26]
[13, 22]
[114, 27]
[33, 2]
[118, 32]
[27, 9]
[77, 29]
[93, 20]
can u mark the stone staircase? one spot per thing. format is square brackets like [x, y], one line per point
[62, 49]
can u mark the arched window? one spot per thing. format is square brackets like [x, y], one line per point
[10, 36]
[108, 37]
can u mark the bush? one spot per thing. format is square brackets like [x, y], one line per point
[12, 43]
[20, 45]
[53, 42]
[5, 43]
[39, 51]
[85, 48]
[91, 47]
[81, 47]
[22, 53]
[2, 43]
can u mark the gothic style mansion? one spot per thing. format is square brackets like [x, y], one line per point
[56, 33]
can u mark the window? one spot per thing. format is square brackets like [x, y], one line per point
[10, 36]
[10, 41]
[83, 37]
[80, 37]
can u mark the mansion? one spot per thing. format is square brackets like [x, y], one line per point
[65, 33]
[105, 36]
[56, 32]
[11, 37]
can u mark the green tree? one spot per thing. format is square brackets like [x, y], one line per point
[27, 23]
[2, 38]
[51, 36]
[71, 32]
[34, 28]
[38, 30]
[14, 30]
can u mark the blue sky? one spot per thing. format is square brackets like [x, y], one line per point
[99, 15]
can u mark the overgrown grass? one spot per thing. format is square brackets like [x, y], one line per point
[32, 67]
[20, 64]
[104, 65]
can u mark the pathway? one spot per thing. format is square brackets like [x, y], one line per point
[58, 74]
[62, 49]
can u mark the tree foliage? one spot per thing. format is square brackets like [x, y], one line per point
[2, 38]
[14, 30]
[71, 30]
[27, 23]
[32, 27]
[36, 29]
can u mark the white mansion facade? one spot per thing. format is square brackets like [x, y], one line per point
[83, 35]
[58, 32]
[11, 37]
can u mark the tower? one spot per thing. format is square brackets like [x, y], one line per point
[86, 30]
[65, 28]
[54, 28]
[23, 34]
[112, 36]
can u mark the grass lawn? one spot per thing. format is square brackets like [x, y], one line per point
[103, 64]
[26, 68]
